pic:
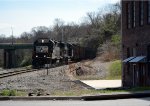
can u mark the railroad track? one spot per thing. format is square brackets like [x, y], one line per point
[8, 74]
[16, 72]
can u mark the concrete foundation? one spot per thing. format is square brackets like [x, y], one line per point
[9, 58]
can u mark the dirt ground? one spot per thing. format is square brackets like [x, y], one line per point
[89, 69]
[58, 79]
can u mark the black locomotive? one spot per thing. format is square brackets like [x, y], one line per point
[47, 51]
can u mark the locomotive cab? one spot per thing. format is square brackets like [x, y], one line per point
[42, 52]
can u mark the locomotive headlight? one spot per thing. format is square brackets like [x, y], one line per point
[36, 56]
[44, 55]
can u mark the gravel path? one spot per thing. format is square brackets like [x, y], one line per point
[12, 70]
[40, 81]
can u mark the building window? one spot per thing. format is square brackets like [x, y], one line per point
[129, 15]
[141, 14]
[148, 11]
[133, 13]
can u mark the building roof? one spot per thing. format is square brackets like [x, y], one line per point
[138, 59]
[128, 59]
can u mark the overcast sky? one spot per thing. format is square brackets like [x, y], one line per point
[23, 15]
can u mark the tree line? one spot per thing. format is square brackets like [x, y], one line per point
[99, 30]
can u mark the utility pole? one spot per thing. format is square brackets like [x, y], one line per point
[12, 36]
[62, 36]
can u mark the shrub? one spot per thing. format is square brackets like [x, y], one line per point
[12, 93]
[111, 50]
[116, 39]
[115, 70]
[5, 93]
[9, 93]
[26, 61]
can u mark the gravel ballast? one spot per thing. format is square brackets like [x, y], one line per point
[40, 82]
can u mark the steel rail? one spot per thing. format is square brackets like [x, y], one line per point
[8, 74]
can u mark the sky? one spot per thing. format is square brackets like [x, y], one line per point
[22, 15]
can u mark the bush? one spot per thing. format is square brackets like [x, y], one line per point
[111, 50]
[5, 93]
[8, 93]
[12, 93]
[26, 61]
[115, 70]
[116, 39]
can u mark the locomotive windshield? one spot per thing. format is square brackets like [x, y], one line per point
[41, 49]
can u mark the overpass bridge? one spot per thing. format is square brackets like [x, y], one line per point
[9, 52]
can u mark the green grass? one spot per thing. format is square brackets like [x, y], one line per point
[78, 92]
[114, 70]
[85, 92]
[12, 93]
[98, 92]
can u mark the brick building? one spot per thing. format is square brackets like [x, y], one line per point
[136, 43]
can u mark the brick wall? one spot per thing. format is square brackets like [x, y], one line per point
[137, 37]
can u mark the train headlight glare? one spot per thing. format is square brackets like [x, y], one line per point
[36, 56]
[44, 55]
